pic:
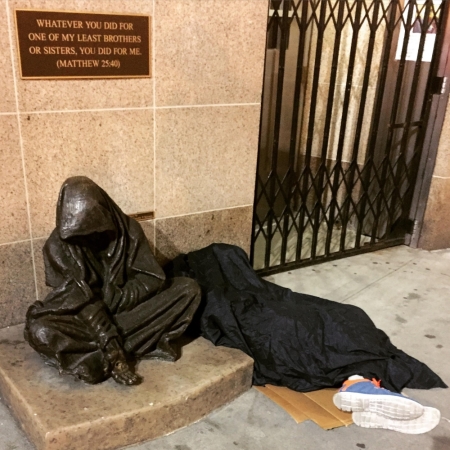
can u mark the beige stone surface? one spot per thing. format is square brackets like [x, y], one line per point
[183, 234]
[330, 42]
[44, 95]
[436, 232]
[209, 52]
[7, 98]
[114, 148]
[14, 218]
[42, 288]
[336, 119]
[149, 230]
[17, 289]
[205, 158]
[58, 413]
[442, 167]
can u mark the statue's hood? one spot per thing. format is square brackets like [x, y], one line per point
[82, 209]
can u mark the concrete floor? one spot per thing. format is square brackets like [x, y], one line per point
[405, 291]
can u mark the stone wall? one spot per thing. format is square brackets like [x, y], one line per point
[436, 229]
[182, 143]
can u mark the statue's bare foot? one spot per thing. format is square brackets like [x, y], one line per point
[122, 374]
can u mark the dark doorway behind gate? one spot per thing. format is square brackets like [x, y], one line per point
[346, 103]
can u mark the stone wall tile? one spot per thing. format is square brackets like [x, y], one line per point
[209, 52]
[113, 148]
[183, 234]
[436, 231]
[205, 158]
[14, 225]
[17, 289]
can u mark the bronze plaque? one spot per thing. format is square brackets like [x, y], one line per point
[58, 44]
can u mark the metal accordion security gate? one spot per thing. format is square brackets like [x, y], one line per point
[346, 103]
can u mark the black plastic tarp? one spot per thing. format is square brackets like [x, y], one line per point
[296, 340]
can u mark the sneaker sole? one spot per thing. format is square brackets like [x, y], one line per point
[389, 406]
[426, 422]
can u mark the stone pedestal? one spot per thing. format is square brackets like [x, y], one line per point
[58, 413]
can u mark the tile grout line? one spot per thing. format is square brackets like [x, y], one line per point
[154, 119]
[15, 242]
[155, 219]
[22, 153]
[210, 105]
[134, 108]
[202, 212]
[72, 111]
[375, 281]
[26, 240]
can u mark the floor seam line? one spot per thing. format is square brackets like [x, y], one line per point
[376, 281]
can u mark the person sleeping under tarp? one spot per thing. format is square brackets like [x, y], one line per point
[296, 340]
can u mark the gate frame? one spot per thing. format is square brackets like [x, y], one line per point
[437, 108]
[438, 97]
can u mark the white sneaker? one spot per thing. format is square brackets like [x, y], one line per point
[426, 422]
[362, 395]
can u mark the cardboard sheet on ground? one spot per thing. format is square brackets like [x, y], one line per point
[317, 406]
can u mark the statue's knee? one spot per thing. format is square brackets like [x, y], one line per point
[190, 286]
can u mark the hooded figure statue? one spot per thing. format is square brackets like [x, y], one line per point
[110, 299]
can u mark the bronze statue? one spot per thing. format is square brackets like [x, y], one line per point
[111, 301]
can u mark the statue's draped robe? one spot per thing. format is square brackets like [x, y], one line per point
[75, 322]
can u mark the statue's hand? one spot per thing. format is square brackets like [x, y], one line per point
[112, 298]
[129, 298]
[122, 374]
